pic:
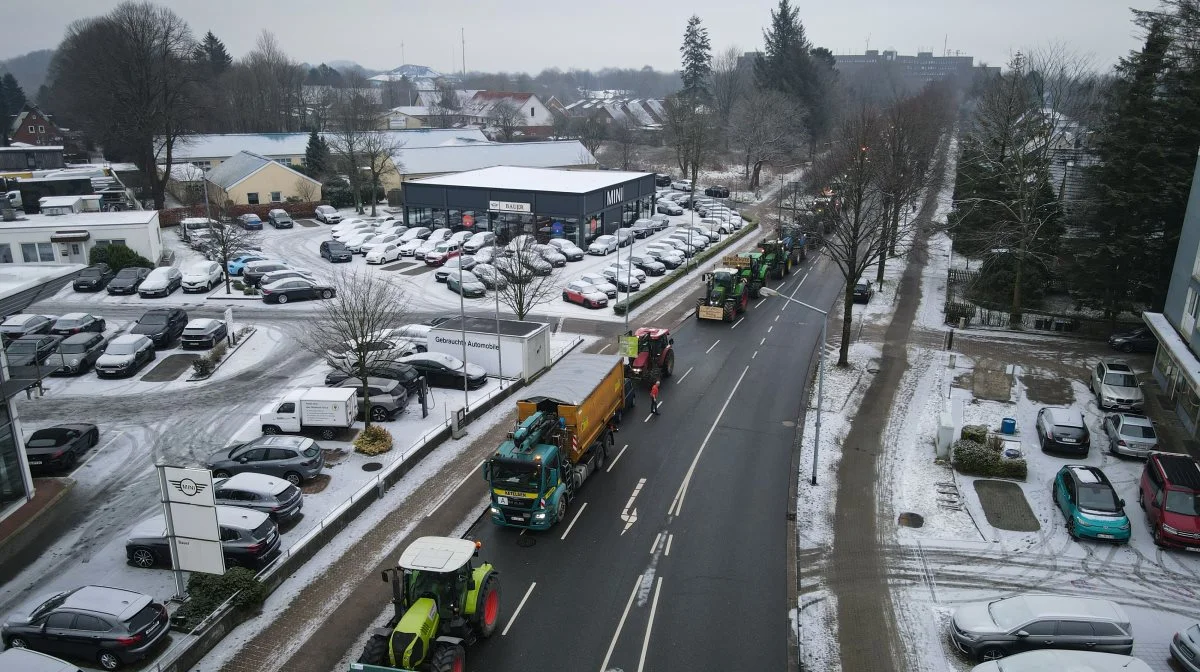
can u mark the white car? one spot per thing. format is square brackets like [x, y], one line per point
[489, 276]
[122, 354]
[568, 249]
[286, 274]
[382, 350]
[459, 237]
[359, 230]
[382, 254]
[355, 243]
[625, 279]
[488, 254]
[721, 226]
[600, 282]
[709, 234]
[603, 245]
[478, 241]
[328, 214]
[409, 248]
[693, 238]
[379, 240]
[637, 272]
[347, 224]
[415, 233]
[682, 185]
[520, 242]
[161, 282]
[417, 333]
[665, 253]
[436, 238]
[202, 276]
[551, 254]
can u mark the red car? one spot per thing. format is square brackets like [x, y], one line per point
[1170, 494]
[442, 253]
[584, 294]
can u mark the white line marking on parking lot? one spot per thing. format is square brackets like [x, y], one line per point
[518, 611]
[737, 323]
[677, 504]
[670, 538]
[649, 625]
[95, 452]
[577, 514]
[685, 375]
[614, 462]
[451, 491]
[621, 624]
[712, 346]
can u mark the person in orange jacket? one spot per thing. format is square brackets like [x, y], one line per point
[654, 398]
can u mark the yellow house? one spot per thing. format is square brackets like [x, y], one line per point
[252, 179]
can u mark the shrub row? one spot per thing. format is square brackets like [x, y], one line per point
[206, 592]
[373, 440]
[984, 459]
[171, 216]
[205, 366]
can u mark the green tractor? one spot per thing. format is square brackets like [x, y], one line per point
[443, 600]
[776, 258]
[752, 267]
[725, 295]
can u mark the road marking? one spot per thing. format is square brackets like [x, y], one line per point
[94, 454]
[450, 493]
[670, 538]
[651, 415]
[764, 299]
[793, 294]
[577, 515]
[614, 462]
[777, 317]
[754, 355]
[770, 328]
[629, 514]
[764, 340]
[737, 323]
[518, 611]
[685, 375]
[601, 351]
[657, 539]
[649, 625]
[712, 346]
[620, 624]
[677, 504]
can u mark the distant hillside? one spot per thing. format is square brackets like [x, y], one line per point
[29, 69]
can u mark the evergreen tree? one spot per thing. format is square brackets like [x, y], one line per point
[12, 99]
[697, 60]
[785, 64]
[316, 156]
[212, 54]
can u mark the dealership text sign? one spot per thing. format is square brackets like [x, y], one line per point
[470, 344]
[509, 206]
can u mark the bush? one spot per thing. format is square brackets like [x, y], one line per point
[976, 433]
[218, 352]
[203, 367]
[979, 459]
[117, 257]
[250, 291]
[373, 440]
[206, 592]
[238, 285]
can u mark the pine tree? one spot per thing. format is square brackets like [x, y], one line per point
[785, 64]
[212, 53]
[12, 99]
[316, 156]
[697, 60]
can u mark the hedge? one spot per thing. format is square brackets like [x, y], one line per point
[984, 459]
[669, 279]
[206, 592]
[117, 257]
[171, 216]
[976, 433]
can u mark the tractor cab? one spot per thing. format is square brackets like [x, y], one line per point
[655, 358]
[439, 569]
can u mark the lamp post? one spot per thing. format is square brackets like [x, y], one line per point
[767, 291]
[462, 320]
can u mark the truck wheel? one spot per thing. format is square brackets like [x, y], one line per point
[375, 652]
[449, 658]
[270, 429]
[560, 511]
[487, 606]
[601, 454]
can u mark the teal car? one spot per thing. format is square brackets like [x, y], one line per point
[1090, 504]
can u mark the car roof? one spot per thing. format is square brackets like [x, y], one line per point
[236, 516]
[201, 323]
[254, 482]
[281, 440]
[200, 265]
[1067, 661]
[73, 316]
[1135, 420]
[26, 660]
[126, 339]
[437, 554]
[1118, 365]
[20, 319]
[1181, 470]
[104, 600]
[1064, 417]
[1070, 606]
[1087, 474]
[80, 337]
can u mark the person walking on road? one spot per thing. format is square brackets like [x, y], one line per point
[654, 398]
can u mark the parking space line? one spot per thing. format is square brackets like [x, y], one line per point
[614, 462]
[621, 624]
[577, 515]
[685, 375]
[712, 346]
[94, 454]
[518, 610]
[601, 351]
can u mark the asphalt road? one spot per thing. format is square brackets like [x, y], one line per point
[675, 557]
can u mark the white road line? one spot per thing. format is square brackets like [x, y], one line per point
[651, 415]
[577, 515]
[513, 619]
[712, 346]
[764, 340]
[601, 351]
[737, 323]
[777, 317]
[649, 625]
[657, 539]
[620, 624]
[614, 462]
[677, 504]
[685, 375]
[763, 300]
[754, 355]
[793, 294]
[670, 538]
[95, 452]
[770, 328]
[629, 514]
[451, 491]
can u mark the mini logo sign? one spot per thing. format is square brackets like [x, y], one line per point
[189, 487]
[614, 196]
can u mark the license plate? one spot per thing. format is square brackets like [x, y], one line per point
[1194, 549]
[517, 517]
[1065, 440]
[1105, 536]
[35, 463]
[503, 501]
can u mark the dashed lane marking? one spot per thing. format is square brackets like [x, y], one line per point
[685, 375]
[577, 515]
[737, 323]
[518, 611]
[712, 346]
[621, 624]
[614, 462]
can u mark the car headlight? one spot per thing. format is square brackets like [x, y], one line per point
[539, 516]
[495, 510]
[1169, 529]
[1125, 525]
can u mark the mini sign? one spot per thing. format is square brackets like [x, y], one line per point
[189, 486]
[509, 206]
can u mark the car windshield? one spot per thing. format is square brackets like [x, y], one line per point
[1008, 613]
[312, 451]
[64, 323]
[72, 348]
[1098, 498]
[515, 477]
[1138, 431]
[90, 272]
[128, 273]
[1183, 503]
[1120, 379]
[43, 440]
[23, 347]
[153, 320]
[50, 604]
[121, 349]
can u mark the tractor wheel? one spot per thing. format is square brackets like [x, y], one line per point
[448, 658]
[669, 365]
[487, 606]
[375, 652]
[754, 289]
[729, 311]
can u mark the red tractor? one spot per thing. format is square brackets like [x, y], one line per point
[656, 355]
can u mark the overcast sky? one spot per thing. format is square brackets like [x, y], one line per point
[506, 35]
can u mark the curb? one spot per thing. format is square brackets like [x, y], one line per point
[228, 354]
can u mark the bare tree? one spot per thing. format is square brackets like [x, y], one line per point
[507, 118]
[591, 131]
[561, 126]
[729, 84]
[355, 117]
[365, 305]
[529, 285]
[446, 107]
[624, 135]
[380, 152]
[226, 240]
[856, 224]
[761, 132]
[306, 190]
[690, 131]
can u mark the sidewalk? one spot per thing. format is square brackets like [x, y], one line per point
[20, 527]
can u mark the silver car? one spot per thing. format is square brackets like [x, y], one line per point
[1130, 434]
[998, 628]
[551, 254]
[603, 245]
[600, 282]
[1116, 386]
[275, 497]
[1185, 648]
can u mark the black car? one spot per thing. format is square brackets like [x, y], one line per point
[296, 289]
[107, 626]
[661, 180]
[77, 353]
[280, 219]
[127, 280]
[249, 538]
[335, 252]
[58, 447]
[408, 376]
[253, 274]
[161, 325]
[93, 278]
[441, 370]
[717, 191]
[863, 291]
[31, 350]
[1140, 339]
[77, 323]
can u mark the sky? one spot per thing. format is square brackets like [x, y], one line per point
[511, 36]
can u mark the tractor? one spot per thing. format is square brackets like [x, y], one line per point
[776, 258]
[753, 268]
[655, 358]
[795, 242]
[725, 295]
[443, 601]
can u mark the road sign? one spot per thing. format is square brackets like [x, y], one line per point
[628, 346]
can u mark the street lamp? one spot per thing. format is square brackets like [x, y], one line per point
[767, 291]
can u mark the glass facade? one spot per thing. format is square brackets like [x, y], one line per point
[12, 478]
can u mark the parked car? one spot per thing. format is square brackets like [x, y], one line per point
[670, 259]
[1063, 429]
[250, 222]
[255, 270]
[584, 294]
[625, 237]
[1139, 339]
[624, 278]
[25, 660]
[327, 214]
[76, 323]
[442, 370]
[997, 628]
[647, 263]
[353, 230]
[1064, 660]
[690, 238]
[466, 284]
[248, 539]
[416, 233]
[355, 242]
[386, 397]
[682, 185]
[60, 446]
[382, 348]
[279, 219]
[1130, 434]
[204, 333]
[292, 458]
[383, 254]
[1169, 492]
[600, 282]
[31, 350]
[238, 264]
[717, 191]
[125, 355]
[286, 274]
[680, 246]
[280, 500]
[863, 291]
[668, 207]
[1116, 386]
[202, 276]
[603, 245]
[452, 266]
[161, 325]
[409, 247]
[334, 252]
[720, 225]
[110, 627]
[296, 289]
[551, 254]
[1090, 504]
[407, 376]
[489, 255]
[1185, 648]
[460, 237]
[435, 238]
[162, 281]
[662, 180]
[377, 241]
[76, 353]
[127, 280]
[705, 233]
[93, 278]
[568, 249]
[478, 241]
[642, 228]
[441, 253]
[490, 276]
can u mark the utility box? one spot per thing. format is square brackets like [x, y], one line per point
[509, 348]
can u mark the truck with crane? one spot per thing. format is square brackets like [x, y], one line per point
[564, 432]
[725, 295]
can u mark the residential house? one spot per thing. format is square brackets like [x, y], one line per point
[247, 178]
[185, 183]
[535, 117]
[432, 161]
[407, 116]
[34, 127]
[645, 115]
